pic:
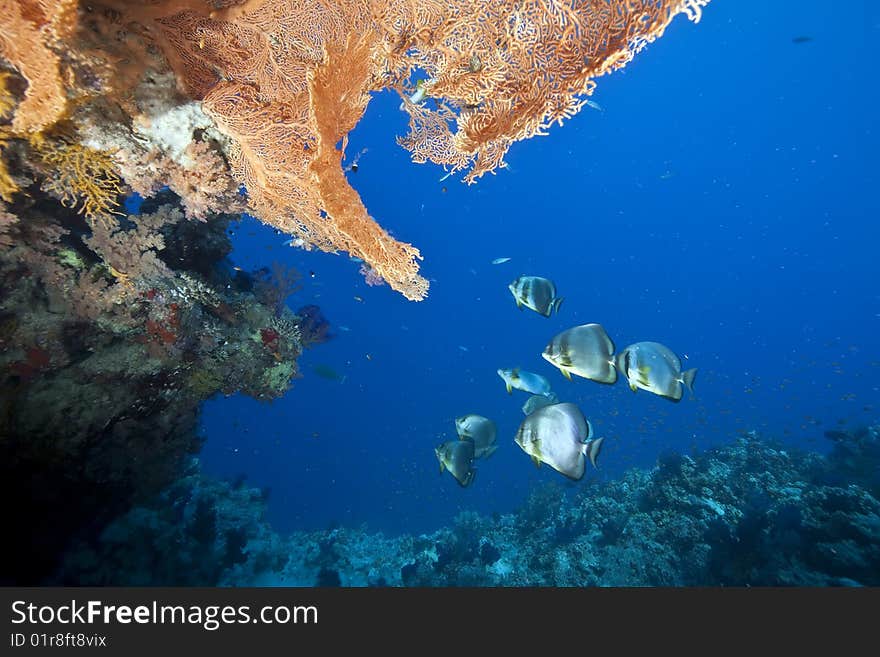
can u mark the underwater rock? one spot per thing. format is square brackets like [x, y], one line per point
[111, 335]
[328, 577]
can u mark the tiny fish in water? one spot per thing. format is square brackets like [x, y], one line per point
[500, 261]
[420, 93]
[358, 299]
[327, 372]
[525, 381]
[462, 347]
[594, 105]
[802, 39]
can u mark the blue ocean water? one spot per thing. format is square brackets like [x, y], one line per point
[721, 202]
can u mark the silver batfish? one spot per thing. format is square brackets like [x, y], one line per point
[535, 402]
[584, 350]
[654, 367]
[457, 456]
[536, 293]
[481, 430]
[560, 436]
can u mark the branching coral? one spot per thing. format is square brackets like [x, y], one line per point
[285, 81]
[133, 253]
[83, 178]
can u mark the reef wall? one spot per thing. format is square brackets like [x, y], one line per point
[111, 335]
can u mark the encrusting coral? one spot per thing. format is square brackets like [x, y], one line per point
[281, 83]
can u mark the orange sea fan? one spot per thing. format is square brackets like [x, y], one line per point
[286, 80]
[26, 28]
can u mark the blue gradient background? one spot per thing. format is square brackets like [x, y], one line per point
[723, 203]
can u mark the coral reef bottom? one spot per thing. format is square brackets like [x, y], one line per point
[750, 513]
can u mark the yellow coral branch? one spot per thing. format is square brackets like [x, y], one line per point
[81, 177]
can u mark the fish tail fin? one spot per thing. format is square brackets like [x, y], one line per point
[557, 302]
[687, 378]
[591, 450]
